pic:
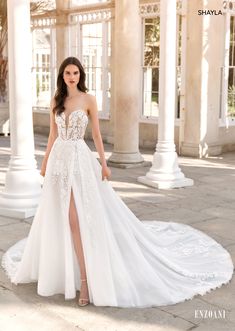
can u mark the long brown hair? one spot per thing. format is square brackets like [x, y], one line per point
[61, 92]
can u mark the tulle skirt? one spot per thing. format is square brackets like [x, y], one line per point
[129, 263]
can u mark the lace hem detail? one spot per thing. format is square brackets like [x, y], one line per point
[9, 268]
[201, 244]
[10, 262]
[206, 291]
[191, 297]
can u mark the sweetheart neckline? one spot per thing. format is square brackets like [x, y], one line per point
[67, 117]
[81, 110]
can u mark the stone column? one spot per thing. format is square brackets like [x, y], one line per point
[61, 31]
[127, 98]
[22, 190]
[165, 172]
[204, 60]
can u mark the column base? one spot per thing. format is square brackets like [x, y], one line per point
[165, 172]
[21, 194]
[200, 150]
[18, 213]
[127, 160]
[165, 184]
[17, 206]
[129, 165]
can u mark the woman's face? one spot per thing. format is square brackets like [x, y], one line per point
[71, 75]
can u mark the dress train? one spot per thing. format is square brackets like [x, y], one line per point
[129, 263]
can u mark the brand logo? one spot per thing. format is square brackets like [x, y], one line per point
[209, 12]
[214, 314]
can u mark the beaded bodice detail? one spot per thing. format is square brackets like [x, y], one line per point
[73, 126]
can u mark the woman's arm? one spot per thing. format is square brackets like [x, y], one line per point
[96, 135]
[52, 137]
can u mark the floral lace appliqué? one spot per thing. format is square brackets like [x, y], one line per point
[65, 155]
[77, 123]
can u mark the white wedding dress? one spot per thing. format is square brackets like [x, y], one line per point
[129, 263]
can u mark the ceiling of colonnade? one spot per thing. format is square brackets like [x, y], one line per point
[74, 3]
[44, 5]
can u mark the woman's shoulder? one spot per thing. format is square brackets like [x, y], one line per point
[90, 97]
[91, 103]
[90, 100]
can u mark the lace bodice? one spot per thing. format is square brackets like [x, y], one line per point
[75, 127]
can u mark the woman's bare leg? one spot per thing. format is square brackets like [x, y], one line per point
[75, 230]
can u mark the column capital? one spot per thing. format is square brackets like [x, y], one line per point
[61, 18]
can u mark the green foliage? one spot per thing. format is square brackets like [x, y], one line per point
[3, 25]
[231, 101]
[35, 7]
[152, 42]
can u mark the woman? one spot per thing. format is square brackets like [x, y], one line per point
[71, 95]
[84, 237]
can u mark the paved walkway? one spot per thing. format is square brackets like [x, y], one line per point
[208, 206]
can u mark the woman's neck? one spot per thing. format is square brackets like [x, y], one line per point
[72, 92]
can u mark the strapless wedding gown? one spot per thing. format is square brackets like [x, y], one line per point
[129, 263]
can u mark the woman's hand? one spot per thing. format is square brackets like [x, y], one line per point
[106, 172]
[42, 173]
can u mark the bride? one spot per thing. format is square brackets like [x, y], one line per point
[71, 97]
[83, 237]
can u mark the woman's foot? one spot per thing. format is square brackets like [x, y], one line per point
[84, 295]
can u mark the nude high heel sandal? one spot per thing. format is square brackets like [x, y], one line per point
[83, 301]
